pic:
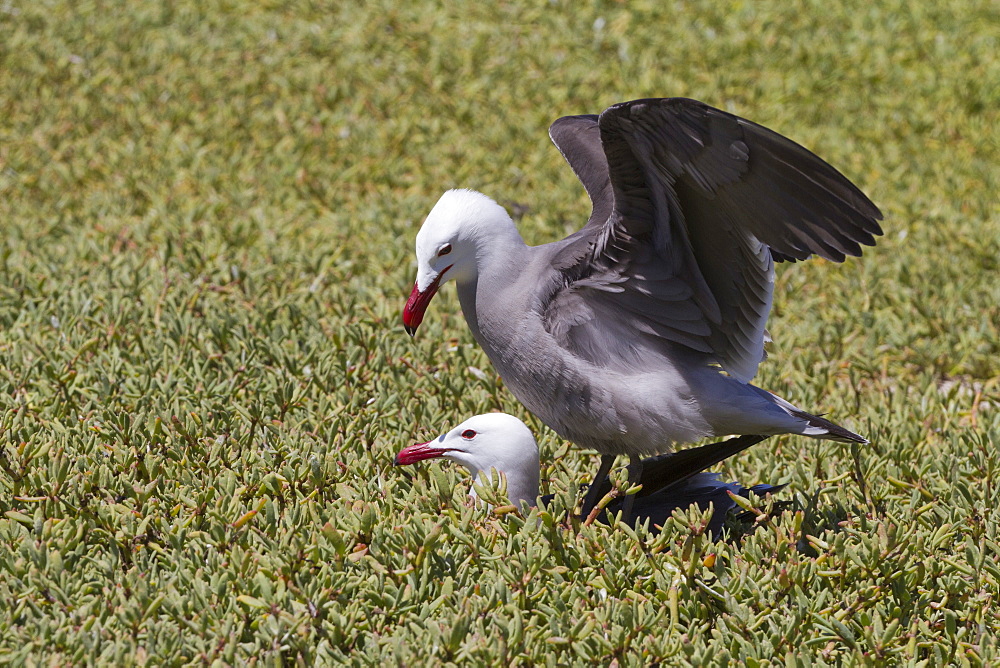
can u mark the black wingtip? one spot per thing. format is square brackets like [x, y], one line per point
[834, 432]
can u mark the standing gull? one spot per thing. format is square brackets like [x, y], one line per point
[502, 443]
[643, 329]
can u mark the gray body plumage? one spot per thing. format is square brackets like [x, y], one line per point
[645, 397]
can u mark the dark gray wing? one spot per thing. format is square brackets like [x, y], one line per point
[667, 471]
[702, 202]
[578, 138]
[677, 480]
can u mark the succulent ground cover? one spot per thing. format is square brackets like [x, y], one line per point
[207, 212]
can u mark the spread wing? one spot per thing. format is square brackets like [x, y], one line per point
[578, 138]
[696, 206]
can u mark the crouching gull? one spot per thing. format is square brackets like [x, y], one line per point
[643, 329]
[502, 443]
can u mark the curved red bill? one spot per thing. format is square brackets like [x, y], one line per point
[416, 305]
[417, 453]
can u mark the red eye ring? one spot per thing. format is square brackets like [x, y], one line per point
[469, 434]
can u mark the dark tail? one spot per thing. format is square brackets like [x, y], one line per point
[677, 480]
[834, 432]
[672, 469]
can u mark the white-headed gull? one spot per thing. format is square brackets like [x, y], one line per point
[501, 443]
[643, 329]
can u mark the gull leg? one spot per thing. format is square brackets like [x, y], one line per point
[634, 475]
[602, 474]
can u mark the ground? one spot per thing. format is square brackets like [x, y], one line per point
[208, 212]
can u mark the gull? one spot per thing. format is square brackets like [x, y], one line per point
[643, 329]
[498, 443]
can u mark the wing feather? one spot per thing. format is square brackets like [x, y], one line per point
[692, 207]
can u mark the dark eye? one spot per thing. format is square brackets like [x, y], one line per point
[469, 434]
[444, 250]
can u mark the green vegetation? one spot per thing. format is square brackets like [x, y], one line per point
[207, 213]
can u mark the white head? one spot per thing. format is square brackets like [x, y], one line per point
[482, 444]
[449, 244]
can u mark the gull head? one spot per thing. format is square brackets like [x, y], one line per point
[449, 244]
[484, 444]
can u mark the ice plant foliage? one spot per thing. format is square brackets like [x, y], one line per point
[205, 219]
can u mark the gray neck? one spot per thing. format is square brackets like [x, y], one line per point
[488, 292]
[467, 298]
